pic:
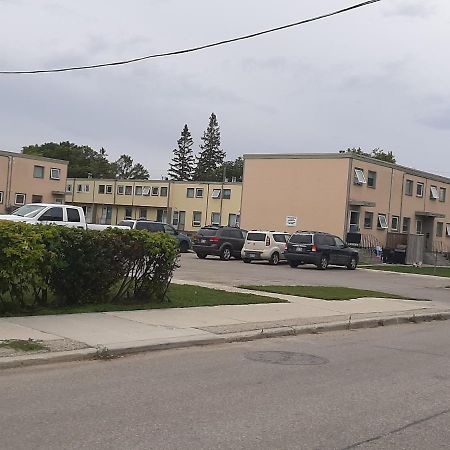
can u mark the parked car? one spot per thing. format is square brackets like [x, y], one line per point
[264, 246]
[321, 249]
[184, 241]
[219, 241]
[54, 214]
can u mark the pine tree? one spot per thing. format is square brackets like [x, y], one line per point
[211, 155]
[182, 166]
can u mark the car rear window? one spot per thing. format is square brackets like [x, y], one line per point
[258, 237]
[150, 226]
[281, 237]
[126, 223]
[301, 239]
[207, 232]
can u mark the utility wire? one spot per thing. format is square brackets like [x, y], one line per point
[189, 50]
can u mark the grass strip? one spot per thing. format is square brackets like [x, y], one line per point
[323, 292]
[436, 271]
[23, 345]
[179, 296]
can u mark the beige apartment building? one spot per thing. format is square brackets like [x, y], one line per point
[184, 204]
[355, 197]
[30, 179]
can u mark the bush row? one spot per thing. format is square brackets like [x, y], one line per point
[69, 266]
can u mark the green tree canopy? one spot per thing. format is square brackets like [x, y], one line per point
[377, 153]
[182, 166]
[128, 170]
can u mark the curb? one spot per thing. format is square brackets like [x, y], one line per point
[110, 353]
[419, 275]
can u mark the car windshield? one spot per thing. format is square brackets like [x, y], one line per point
[301, 238]
[258, 237]
[207, 232]
[28, 210]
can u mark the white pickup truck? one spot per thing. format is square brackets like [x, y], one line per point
[57, 214]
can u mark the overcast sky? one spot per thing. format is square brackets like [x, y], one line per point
[375, 77]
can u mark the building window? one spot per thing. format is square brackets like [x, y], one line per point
[354, 222]
[199, 193]
[406, 224]
[227, 194]
[215, 218]
[138, 190]
[447, 229]
[439, 229]
[155, 191]
[368, 220]
[142, 213]
[419, 227]
[69, 188]
[79, 188]
[120, 189]
[38, 172]
[128, 190]
[216, 193]
[196, 218]
[86, 188]
[382, 221]
[146, 190]
[128, 213]
[20, 199]
[1, 196]
[434, 194]
[371, 179]
[101, 188]
[175, 218]
[55, 174]
[163, 191]
[161, 215]
[109, 188]
[36, 198]
[395, 223]
[83, 188]
[360, 178]
[442, 194]
[409, 185]
[419, 189]
[190, 192]
[233, 220]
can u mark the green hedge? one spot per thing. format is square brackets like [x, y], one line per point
[69, 266]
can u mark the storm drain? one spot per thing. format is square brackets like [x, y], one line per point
[286, 358]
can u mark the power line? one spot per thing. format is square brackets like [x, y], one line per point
[189, 50]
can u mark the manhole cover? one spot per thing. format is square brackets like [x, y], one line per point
[287, 358]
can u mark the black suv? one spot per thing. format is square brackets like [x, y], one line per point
[219, 241]
[320, 249]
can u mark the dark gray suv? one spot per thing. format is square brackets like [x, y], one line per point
[320, 249]
[219, 241]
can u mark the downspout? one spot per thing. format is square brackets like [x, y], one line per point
[8, 181]
[347, 201]
[207, 205]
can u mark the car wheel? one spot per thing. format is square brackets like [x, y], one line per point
[294, 263]
[274, 259]
[184, 247]
[323, 264]
[225, 254]
[202, 255]
[247, 261]
[352, 264]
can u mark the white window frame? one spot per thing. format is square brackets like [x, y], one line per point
[382, 222]
[120, 189]
[360, 178]
[86, 188]
[24, 199]
[196, 223]
[215, 222]
[397, 228]
[422, 190]
[108, 189]
[146, 190]
[1, 197]
[137, 189]
[447, 229]
[199, 192]
[434, 193]
[68, 188]
[442, 194]
[55, 177]
[216, 193]
[155, 191]
[175, 218]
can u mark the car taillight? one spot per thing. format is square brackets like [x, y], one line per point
[286, 247]
[314, 248]
[267, 241]
[214, 239]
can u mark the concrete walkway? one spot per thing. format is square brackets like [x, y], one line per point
[77, 336]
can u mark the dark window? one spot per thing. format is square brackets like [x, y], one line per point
[227, 194]
[36, 199]
[439, 229]
[258, 237]
[126, 223]
[163, 191]
[371, 179]
[128, 213]
[280, 237]
[232, 233]
[338, 242]
[190, 192]
[329, 240]
[208, 232]
[301, 239]
[73, 215]
[149, 226]
[169, 230]
[101, 188]
[406, 224]
[409, 185]
[368, 220]
[38, 172]
[53, 214]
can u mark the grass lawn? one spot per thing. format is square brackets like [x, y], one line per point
[438, 271]
[180, 296]
[323, 292]
[22, 345]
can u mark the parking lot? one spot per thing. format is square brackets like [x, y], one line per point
[235, 273]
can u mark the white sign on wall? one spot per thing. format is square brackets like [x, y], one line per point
[291, 221]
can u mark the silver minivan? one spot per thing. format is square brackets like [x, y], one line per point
[264, 246]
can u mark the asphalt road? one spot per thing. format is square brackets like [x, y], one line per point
[236, 273]
[384, 388]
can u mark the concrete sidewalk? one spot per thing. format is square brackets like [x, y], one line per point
[81, 336]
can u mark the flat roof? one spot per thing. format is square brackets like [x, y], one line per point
[113, 180]
[408, 170]
[35, 157]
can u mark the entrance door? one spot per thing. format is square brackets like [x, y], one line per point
[353, 222]
[428, 232]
